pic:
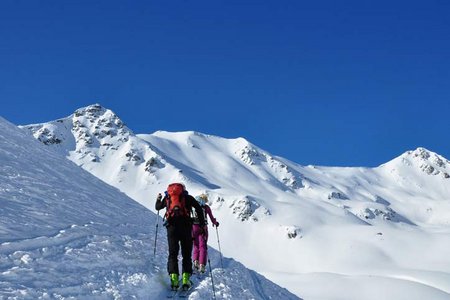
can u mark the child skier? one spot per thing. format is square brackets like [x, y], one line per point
[200, 234]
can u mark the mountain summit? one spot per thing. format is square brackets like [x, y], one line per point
[427, 161]
[94, 137]
[87, 128]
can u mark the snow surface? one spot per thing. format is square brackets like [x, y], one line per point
[321, 232]
[65, 234]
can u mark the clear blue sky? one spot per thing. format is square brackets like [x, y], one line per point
[341, 83]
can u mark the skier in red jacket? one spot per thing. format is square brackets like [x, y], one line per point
[178, 204]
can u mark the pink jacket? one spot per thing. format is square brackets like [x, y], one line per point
[209, 213]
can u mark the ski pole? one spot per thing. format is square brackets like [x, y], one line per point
[212, 280]
[156, 235]
[220, 251]
[156, 230]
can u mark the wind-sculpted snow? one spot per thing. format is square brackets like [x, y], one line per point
[297, 224]
[67, 235]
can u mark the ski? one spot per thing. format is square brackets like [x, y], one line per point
[184, 292]
[172, 293]
[200, 276]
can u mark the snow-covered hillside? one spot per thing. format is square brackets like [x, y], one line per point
[67, 235]
[363, 233]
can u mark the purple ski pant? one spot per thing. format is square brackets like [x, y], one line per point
[200, 250]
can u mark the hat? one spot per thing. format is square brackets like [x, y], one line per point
[202, 199]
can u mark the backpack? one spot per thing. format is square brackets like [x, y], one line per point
[175, 201]
[195, 217]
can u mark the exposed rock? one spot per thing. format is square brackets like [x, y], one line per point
[152, 164]
[337, 195]
[372, 213]
[47, 137]
[250, 156]
[288, 177]
[422, 153]
[245, 209]
[293, 232]
[133, 156]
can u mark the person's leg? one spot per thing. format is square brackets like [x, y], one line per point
[195, 237]
[203, 245]
[172, 261]
[186, 248]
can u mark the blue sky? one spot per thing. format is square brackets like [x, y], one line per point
[340, 83]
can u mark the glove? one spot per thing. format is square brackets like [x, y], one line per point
[159, 197]
[217, 224]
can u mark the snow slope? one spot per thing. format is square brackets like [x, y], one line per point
[364, 233]
[67, 235]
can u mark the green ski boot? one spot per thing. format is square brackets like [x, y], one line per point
[186, 283]
[174, 283]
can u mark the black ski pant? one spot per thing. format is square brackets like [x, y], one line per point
[179, 234]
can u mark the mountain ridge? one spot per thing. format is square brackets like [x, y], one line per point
[102, 118]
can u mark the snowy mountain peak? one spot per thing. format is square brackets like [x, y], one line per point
[91, 109]
[99, 121]
[427, 161]
[430, 157]
[84, 132]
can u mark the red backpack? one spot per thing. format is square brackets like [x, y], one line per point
[175, 201]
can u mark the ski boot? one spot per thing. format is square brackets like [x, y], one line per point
[174, 283]
[201, 268]
[186, 283]
[196, 266]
